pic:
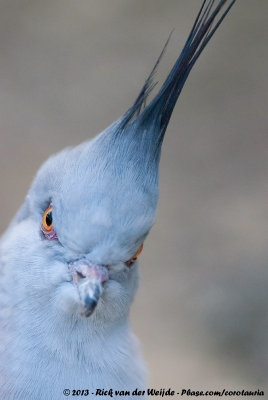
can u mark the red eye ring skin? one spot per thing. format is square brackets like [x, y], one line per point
[47, 225]
[134, 258]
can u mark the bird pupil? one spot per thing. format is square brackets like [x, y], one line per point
[49, 218]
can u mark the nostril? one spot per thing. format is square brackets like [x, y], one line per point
[80, 275]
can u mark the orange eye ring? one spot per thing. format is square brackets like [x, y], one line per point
[47, 219]
[138, 252]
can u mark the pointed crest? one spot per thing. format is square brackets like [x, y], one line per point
[134, 142]
[159, 111]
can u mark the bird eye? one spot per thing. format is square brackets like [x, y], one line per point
[138, 252]
[47, 219]
[134, 258]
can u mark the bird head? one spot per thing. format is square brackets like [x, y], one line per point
[93, 206]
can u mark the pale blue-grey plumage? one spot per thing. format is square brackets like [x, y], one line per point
[104, 195]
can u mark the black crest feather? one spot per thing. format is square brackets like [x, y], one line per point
[159, 111]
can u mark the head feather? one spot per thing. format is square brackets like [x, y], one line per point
[154, 118]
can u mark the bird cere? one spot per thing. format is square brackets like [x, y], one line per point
[66, 292]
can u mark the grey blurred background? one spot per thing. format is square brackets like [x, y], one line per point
[67, 70]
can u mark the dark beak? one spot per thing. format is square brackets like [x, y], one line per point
[89, 279]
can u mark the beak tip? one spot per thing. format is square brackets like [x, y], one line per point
[90, 304]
